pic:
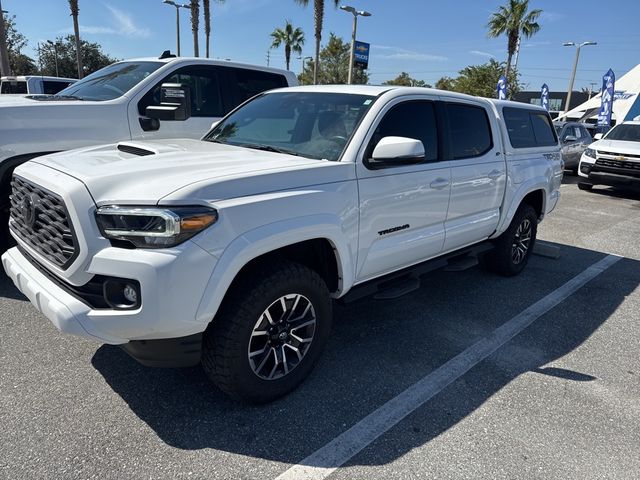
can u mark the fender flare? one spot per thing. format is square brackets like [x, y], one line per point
[532, 185]
[269, 238]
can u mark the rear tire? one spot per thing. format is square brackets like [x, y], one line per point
[585, 186]
[269, 332]
[513, 248]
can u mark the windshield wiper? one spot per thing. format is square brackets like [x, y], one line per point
[270, 148]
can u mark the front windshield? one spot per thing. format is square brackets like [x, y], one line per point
[628, 132]
[110, 82]
[308, 124]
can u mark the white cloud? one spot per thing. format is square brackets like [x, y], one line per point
[121, 24]
[395, 53]
[482, 54]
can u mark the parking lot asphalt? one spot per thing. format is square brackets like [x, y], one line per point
[559, 400]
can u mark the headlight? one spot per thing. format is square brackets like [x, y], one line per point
[150, 227]
[590, 152]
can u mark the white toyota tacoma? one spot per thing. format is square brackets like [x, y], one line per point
[124, 102]
[230, 250]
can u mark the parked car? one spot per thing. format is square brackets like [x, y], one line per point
[574, 140]
[111, 105]
[34, 85]
[613, 159]
[230, 250]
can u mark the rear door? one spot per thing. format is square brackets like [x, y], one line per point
[402, 207]
[478, 173]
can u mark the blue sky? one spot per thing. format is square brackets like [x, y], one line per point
[427, 38]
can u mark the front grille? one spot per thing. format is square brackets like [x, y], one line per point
[613, 154]
[40, 219]
[606, 162]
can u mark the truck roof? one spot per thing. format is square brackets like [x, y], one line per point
[210, 61]
[24, 78]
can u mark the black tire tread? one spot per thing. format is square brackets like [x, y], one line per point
[222, 340]
[499, 259]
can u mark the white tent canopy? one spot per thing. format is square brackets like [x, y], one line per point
[626, 100]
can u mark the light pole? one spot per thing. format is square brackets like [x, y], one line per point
[355, 14]
[55, 54]
[575, 67]
[178, 7]
[5, 69]
[304, 59]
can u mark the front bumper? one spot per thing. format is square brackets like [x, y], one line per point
[611, 176]
[172, 285]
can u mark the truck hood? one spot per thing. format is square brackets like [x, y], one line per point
[187, 171]
[617, 146]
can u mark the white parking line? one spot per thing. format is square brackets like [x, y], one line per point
[326, 460]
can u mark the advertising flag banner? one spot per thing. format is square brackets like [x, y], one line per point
[544, 96]
[502, 88]
[361, 54]
[606, 105]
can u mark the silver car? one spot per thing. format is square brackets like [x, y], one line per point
[574, 139]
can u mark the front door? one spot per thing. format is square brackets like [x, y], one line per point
[403, 207]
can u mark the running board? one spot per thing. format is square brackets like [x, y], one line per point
[407, 280]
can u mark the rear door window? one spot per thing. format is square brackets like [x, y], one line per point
[469, 131]
[13, 87]
[528, 128]
[248, 83]
[51, 87]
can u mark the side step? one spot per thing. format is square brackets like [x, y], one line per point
[407, 280]
[398, 288]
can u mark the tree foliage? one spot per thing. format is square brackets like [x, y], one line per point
[513, 20]
[292, 39]
[195, 25]
[318, 19]
[20, 63]
[334, 65]
[93, 57]
[405, 80]
[480, 80]
[206, 10]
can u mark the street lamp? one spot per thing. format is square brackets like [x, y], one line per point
[355, 14]
[55, 53]
[575, 67]
[178, 7]
[304, 60]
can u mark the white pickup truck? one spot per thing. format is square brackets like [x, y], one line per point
[111, 105]
[231, 249]
[33, 85]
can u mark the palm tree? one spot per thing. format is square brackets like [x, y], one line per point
[73, 5]
[318, 17]
[292, 38]
[195, 23]
[207, 21]
[513, 20]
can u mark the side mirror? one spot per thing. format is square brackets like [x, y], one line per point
[175, 103]
[569, 139]
[391, 151]
[597, 136]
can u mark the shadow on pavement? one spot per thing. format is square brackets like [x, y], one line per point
[8, 289]
[629, 193]
[378, 349]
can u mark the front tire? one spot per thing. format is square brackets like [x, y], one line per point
[6, 240]
[269, 332]
[585, 186]
[513, 248]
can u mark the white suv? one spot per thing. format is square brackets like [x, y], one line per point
[613, 160]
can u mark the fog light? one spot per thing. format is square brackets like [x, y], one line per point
[130, 294]
[122, 294]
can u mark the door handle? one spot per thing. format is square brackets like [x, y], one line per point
[439, 183]
[494, 174]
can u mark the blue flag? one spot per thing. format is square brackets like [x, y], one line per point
[606, 106]
[544, 96]
[502, 88]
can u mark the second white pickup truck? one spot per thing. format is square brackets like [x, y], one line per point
[230, 250]
[111, 105]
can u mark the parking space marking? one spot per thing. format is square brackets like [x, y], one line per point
[326, 460]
